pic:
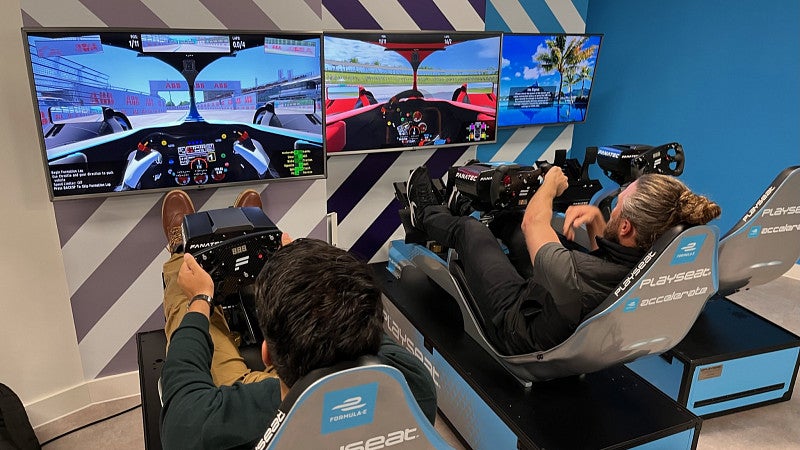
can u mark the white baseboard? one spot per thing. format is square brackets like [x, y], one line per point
[68, 401]
[794, 272]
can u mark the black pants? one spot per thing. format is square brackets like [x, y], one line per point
[493, 279]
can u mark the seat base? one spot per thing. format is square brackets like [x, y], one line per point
[612, 408]
[731, 360]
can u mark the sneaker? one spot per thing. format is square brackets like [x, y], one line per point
[176, 205]
[421, 194]
[248, 198]
[459, 205]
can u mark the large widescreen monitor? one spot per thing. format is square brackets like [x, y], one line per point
[409, 90]
[138, 110]
[546, 78]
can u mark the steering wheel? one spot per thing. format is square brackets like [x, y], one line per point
[405, 94]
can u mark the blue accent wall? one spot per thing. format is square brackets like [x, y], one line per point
[721, 78]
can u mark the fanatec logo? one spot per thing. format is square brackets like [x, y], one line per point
[467, 176]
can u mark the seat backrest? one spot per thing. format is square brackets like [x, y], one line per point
[351, 406]
[649, 312]
[765, 243]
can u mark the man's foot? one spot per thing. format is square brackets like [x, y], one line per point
[421, 194]
[458, 204]
[176, 205]
[248, 198]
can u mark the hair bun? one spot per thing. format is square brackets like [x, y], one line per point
[697, 209]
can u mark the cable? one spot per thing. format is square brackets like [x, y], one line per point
[90, 424]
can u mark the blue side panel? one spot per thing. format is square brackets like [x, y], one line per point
[675, 441]
[744, 374]
[401, 254]
[660, 373]
[470, 415]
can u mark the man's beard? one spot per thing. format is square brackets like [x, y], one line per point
[611, 232]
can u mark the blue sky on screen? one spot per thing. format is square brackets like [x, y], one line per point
[519, 65]
[127, 70]
[467, 55]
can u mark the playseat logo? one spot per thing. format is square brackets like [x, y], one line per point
[634, 273]
[377, 442]
[405, 341]
[781, 211]
[348, 408]
[270, 433]
[675, 278]
[758, 204]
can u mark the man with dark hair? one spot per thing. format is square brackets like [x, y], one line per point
[539, 307]
[317, 306]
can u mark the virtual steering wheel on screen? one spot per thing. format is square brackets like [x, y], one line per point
[410, 93]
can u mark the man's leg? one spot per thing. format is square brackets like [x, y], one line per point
[490, 275]
[492, 278]
[227, 364]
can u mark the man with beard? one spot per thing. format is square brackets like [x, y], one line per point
[537, 308]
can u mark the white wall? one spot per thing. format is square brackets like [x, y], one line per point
[38, 350]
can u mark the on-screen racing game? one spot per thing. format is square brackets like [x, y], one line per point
[134, 111]
[390, 91]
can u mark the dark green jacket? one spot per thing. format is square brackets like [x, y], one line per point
[197, 414]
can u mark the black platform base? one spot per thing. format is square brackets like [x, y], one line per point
[613, 408]
[151, 347]
[732, 359]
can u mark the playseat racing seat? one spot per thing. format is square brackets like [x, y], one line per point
[765, 243]
[732, 358]
[355, 405]
[649, 312]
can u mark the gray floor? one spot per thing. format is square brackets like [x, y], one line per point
[770, 427]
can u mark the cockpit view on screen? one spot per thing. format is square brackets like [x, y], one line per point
[546, 79]
[406, 90]
[128, 111]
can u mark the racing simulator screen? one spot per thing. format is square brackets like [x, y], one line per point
[546, 79]
[390, 91]
[123, 112]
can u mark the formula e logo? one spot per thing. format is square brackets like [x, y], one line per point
[350, 404]
[688, 249]
[631, 305]
[348, 408]
[754, 232]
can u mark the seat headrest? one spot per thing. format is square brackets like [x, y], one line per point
[765, 243]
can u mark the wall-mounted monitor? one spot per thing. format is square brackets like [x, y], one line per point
[409, 90]
[125, 111]
[546, 78]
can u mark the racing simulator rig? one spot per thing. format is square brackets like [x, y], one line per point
[430, 310]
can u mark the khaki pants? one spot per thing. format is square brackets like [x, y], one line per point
[227, 364]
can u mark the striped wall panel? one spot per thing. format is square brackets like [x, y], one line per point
[113, 248]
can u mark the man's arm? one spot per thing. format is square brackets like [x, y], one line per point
[196, 413]
[588, 215]
[536, 223]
